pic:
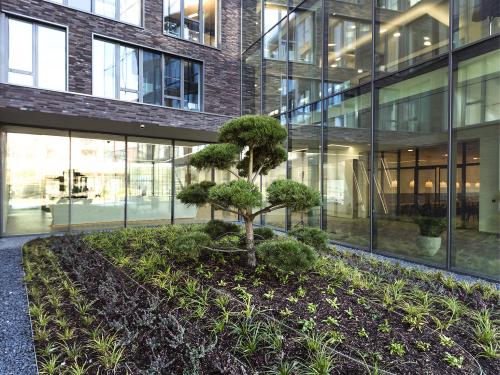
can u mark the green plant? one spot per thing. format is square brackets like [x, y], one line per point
[263, 233]
[430, 226]
[384, 327]
[261, 139]
[314, 237]
[77, 369]
[287, 255]
[50, 366]
[307, 325]
[453, 361]
[321, 363]
[331, 321]
[422, 346]
[397, 348]
[286, 312]
[312, 307]
[284, 368]
[190, 245]
[248, 336]
[333, 303]
[269, 294]
[335, 337]
[446, 341]
[362, 333]
[216, 229]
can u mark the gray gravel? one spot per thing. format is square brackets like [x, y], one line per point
[17, 356]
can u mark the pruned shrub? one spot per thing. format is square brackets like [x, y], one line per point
[189, 246]
[287, 255]
[314, 237]
[263, 233]
[218, 228]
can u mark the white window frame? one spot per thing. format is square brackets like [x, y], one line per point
[4, 49]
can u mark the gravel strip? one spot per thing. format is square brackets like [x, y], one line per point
[17, 355]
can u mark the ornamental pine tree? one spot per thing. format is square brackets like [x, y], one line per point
[261, 142]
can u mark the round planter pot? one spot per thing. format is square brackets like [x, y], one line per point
[429, 245]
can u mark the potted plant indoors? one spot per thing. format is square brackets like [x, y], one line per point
[431, 228]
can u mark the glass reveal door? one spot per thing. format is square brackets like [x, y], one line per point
[36, 183]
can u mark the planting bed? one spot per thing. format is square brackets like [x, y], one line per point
[158, 314]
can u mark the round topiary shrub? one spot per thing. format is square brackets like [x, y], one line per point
[314, 237]
[287, 255]
[263, 233]
[218, 228]
[189, 246]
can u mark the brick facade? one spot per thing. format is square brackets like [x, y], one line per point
[221, 80]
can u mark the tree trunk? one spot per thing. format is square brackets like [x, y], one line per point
[252, 260]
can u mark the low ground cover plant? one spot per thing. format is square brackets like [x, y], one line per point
[334, 312]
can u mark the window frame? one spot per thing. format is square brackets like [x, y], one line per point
[92, 11]
[4, 49]
[200, 21]
[140, 99]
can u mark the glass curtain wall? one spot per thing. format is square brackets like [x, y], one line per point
[365, 91]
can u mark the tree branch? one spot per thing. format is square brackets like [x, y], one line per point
[234, 174]
[226, 209]
[269, 209]
[258, 172]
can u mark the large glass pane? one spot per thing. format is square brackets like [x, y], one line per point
[20, 52]
[185, 175]
[151, 73]
[36, 183]
[210, 22]
[98, 181]
[274, 12]
[192, 79]
[104, 69]
[172, 78]
[304, 157]
[149, 171]
[474, 20]
[476, 143]
[302, 23]
[409, 32]
[84, 5]
[192, 20]
[349, 45]
[51, 58]
[172, 14]
[251, 80]
[274, 70]
[105, 8]
[129, 73]
[411, 167]
[131, 11]
[346, 167]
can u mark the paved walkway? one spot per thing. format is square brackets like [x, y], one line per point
[17, 356]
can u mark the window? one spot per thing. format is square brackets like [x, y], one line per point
[36, 55]
[194, 20]
[133, 74]
[129, 11]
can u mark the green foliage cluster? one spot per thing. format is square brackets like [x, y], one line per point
[189, 246]
[195, 194]
[314, 237]
[430, 226]
[263, 233]
[287, 255]
[220, 156]
[216, 229]
[239, 194]
[292, 194]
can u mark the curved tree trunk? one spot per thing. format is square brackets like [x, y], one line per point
[252, 260]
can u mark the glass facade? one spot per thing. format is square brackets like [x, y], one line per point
[392, 112]
[138, 75]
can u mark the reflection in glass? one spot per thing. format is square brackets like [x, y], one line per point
[104, 69]
[172, 14]
[210, 22]
[410, 32]
[20, 52]
[106, 8]
[172, 78]
[192, 20]
[149, 170]
[251, 80]
[185, 175]
[346, 167]
[84, 5]
[411, 167]
[51, 58]
[36, 183]
[129, 73]
[192, 72]
[131, 11]
[251, 13]
[304, 157]
[151, 85]
[476, 143]
[474, 20]
[98, 181]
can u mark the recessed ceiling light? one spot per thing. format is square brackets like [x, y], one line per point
[396, 35]
[382, 31]
[142, 126]
[410, 150]
[338, 58]
[353, 26]
[333, 65]
[427, 43]
[426, 38]
[331, 44]
[360, 70]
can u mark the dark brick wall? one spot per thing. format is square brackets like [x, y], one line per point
[221, 66]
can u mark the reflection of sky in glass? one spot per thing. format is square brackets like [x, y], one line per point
[104, 69]
[51, 58]
[105, 8]
[130, 11]
[20, 45]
